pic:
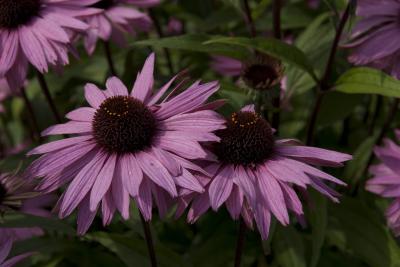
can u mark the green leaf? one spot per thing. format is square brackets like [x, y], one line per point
[196, 43]
[368, 81]
[355, 168]
[330, 113]
[133, 251]
[289, 247]
[287, 53]
[366, 235]
[130, 257]
[25, 220]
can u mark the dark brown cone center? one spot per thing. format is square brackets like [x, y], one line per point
[247, 139]
[124, 124]
[104, 4]
[14, 13]
[3, 193]
[260, 76]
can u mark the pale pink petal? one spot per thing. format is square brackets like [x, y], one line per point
[103, 182]
[221, 187]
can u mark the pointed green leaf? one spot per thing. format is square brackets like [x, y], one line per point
[368, 81]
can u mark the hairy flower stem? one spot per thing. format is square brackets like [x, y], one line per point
[160, 34]
[31, 115]
[240, 242]
[110, 61]
[149, 241]
[46, 92]
[276, 13]
[324, 82]
[249, 18]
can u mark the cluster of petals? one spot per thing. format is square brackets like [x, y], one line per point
[113, 22]
[374, 39]
[386, 180]
[44, 41]
[260, 191]
[100, 179]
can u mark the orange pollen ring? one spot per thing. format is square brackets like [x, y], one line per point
[119, 114]
[254, 121]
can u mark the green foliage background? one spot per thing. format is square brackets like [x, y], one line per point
[350, 234]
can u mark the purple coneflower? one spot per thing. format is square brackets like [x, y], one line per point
[17, 194]
[256, 176]
[37, 32]
[116, 19]
[14, 191]
[375, 37]
[128, 144]
[253, 73]
[6, 242]
[386, 180]
[259, 73]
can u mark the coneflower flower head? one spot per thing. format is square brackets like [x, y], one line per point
[14, 191]
[386, 180]
[262, 72]
[256, 175]
[115, 19]
[38, 32]
[375, 37]
[128, 144]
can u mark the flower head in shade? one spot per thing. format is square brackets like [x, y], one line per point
[256, 175]
[7, 237]
[128, 144]
[34, 206]
[386, 180]
[117, 18]
[375, 38]
[14, 191]
[253, 74]
[262, 72]
[37, 32]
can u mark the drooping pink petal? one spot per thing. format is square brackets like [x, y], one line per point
[103, 182]
[221, 187]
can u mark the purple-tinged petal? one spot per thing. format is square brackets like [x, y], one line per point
[85, 216]
[81, 114]
[156, 172]
[132, 174]
[107, 208]
[221, 187]
[188, 181]
[71, 127]
[60, 144]
[82, 184]
[235, 202]
[144, 200]
[199, 206]
[120, 194]
[144, 82]
[272, 193]
[94, 96]
[103, 182]
[116, 87]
